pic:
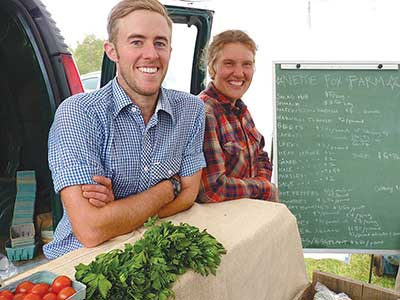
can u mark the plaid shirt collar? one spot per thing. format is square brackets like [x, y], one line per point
[122, 100]
[237, 107]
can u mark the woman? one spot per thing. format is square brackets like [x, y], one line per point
[237, 165]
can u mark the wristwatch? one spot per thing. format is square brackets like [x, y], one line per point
[176, 184]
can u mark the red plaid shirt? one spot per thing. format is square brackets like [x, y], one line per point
[237, 166]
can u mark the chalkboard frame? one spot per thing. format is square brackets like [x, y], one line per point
[332, 65]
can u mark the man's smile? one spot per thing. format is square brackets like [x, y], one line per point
[148, 70]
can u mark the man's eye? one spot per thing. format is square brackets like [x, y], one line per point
[160, 44]
[136, 42]
[228, 63]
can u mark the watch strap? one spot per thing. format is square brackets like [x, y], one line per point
[176, 184]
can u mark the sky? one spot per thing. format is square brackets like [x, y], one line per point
[284, 30]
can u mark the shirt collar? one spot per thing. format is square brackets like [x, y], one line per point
[122, 100]
[164, 104]
[237, 107]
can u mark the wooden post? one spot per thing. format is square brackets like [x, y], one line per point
[370, 268]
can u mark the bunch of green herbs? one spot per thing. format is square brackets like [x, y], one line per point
[147, 269]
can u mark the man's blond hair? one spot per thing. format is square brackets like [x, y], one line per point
[125, 7]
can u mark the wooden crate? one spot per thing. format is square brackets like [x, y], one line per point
[355, 289]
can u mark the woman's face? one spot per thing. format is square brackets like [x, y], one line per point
[234, 69]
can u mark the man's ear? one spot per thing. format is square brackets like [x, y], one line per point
[111, 51]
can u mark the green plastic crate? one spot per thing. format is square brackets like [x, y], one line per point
[22, 235]
[20, 253]
[22, 231]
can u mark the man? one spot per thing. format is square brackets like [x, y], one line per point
[131, 137]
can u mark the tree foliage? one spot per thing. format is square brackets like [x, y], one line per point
[88, 54]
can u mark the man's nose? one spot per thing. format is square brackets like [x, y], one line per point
[150, 51]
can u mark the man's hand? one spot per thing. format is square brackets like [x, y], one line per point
[100, 194]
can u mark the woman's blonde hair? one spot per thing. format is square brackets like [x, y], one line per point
[125, 7]
[223, 38]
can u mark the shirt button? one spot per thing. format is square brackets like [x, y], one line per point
[146, 169]
[133, 109]
[170, 172]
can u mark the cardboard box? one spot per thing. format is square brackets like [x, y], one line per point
[355, 289]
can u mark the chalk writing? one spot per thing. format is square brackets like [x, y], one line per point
[338, 157]
[296, 80]
[388, 155]
[367, 82]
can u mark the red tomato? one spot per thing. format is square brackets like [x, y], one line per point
[6, 294]
[19, 296]
[66, 293]
[24, 287]
[50, 296]
[31, 296]
[59, 283]
[40, 289]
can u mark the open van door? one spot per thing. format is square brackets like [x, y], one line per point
[190, 34]
[37, 72]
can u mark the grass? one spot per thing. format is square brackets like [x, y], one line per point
[358, 269]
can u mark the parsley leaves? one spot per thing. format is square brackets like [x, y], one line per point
[147, 269]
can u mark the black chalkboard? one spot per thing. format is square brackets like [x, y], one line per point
[337, 153]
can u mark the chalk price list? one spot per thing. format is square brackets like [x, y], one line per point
[327, 141]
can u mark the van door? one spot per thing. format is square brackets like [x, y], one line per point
[190, 35]
[37, 72]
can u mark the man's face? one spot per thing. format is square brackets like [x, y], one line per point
[142, 52]
[234, 69]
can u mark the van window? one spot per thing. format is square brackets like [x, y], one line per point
[90, 84]
[25, 118]
[180, 66]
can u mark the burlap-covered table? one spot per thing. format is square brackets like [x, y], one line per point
[264, 259]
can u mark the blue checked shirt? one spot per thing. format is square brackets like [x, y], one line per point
[103, 133]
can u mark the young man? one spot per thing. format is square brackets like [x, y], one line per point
[131, 137]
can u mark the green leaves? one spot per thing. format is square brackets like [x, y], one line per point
[147, 269]
[104, 286]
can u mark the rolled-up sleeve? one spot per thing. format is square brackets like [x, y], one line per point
[193, 159]
[74, 146]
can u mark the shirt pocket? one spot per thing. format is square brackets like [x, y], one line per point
[232, 148]
[254, 135]
[166, 168]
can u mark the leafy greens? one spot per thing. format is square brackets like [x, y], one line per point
[147, 269]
